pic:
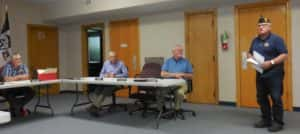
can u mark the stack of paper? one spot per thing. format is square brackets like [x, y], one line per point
[47, 70]
[18, 82]
[88, 78]
[257, 61]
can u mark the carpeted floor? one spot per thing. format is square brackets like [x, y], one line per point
[210, 119]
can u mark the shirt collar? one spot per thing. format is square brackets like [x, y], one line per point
[266, 37]
[117, 62]
[13, 67]
[181, 58]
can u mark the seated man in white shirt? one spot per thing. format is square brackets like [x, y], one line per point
[111, 68]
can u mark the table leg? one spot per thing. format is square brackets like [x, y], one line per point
[48, 104]
[160, 94]
[160, 103]
[76, 103]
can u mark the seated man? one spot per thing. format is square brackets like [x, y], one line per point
[111, 68]
[17, 97]
[180, 68]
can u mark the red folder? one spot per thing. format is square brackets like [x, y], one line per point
[47, 76]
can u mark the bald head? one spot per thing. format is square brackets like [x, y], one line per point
[177, 51]
[112, 57]
[111, 53]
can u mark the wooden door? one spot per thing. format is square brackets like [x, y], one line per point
[247, 17]
[201, 49]
[124, 40]
[43, 49]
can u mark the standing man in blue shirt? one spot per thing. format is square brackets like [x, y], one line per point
[270, 82]
[112, 68]
[180, 68]
[15, 70]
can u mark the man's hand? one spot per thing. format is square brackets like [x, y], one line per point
[179, 75]
[266, 65]
[16, 78]
[110, 75]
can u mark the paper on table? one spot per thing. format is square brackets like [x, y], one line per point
[47, 70]
[257, 60]
[18, 82]
[110, 79]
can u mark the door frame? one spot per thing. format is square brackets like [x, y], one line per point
[187, 44]
[288, 74]
[84, 46]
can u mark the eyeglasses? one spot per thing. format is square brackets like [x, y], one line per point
[263, 24]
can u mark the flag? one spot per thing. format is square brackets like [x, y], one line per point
[5, 42]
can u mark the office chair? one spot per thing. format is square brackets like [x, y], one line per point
[145, 96]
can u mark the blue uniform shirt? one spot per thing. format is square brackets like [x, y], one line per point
[181, 65]
[118, 69]
[9, 70]
[270, 48]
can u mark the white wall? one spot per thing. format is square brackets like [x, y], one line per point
[227, 70]
[295, 51]
[160, 33]
[21, 14]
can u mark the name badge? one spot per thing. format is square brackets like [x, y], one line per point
[266, 44]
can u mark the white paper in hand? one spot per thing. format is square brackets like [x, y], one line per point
[256, 61]
[258, 57]
[253, 61]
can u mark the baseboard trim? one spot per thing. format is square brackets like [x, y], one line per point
[296, 109]
[227, 103]
[67, 92]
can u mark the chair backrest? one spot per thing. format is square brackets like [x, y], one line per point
[158, 60]
[189, 86]
[150, 70]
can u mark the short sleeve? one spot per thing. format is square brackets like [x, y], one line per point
[5, 71]
[103, 70]
[189, 67]
[165, 66]
[280, 46]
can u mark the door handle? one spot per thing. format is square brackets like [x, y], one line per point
[134, 63]
[244, 60]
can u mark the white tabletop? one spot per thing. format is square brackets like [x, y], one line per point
[28, 83]
[92, 80]
[128, 82]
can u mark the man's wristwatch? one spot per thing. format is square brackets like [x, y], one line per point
[272, 62]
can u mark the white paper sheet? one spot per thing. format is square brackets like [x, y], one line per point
[256, 61]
